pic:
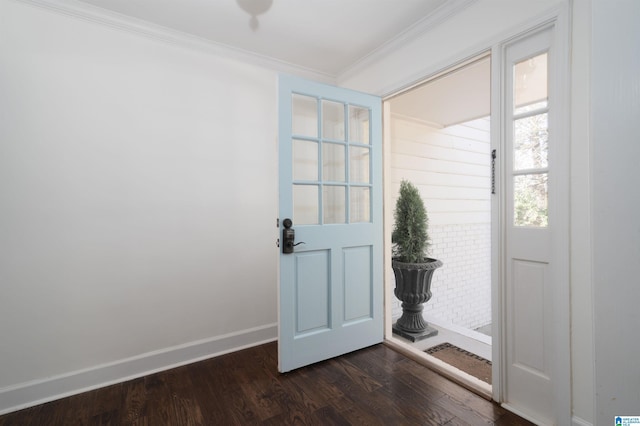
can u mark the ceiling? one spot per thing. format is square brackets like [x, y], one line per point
[324, 36]
[457, 96]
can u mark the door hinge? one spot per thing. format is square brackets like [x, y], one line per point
[278, 222]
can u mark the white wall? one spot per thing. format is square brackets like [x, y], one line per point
[450, 166]
[138, 206]
[615, 130]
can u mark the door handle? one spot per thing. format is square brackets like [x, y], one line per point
[288, 237]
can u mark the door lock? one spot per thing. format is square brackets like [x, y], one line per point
[288, 237]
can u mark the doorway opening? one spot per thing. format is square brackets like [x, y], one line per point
[437, 136]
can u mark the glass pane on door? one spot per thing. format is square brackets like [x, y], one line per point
[530, 203]
[333, 162]
[530, 84]
[531, 142]
[305, 160]
[304, 116]
[333, 204]
[360, 206]
[359, 125]
[333, 120]
[305, 205]
[359, 164]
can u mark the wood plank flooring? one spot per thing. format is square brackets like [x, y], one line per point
[374, 386]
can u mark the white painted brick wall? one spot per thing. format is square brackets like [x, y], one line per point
[450, 166]
[461, 288]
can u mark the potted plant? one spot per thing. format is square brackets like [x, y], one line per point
[412, 268]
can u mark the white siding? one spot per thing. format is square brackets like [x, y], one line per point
[451, 168]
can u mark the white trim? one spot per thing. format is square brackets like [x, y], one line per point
[577, 421]
[561, 239]
[117, 21]
[497, 218]
[469, 54]
[387, 215]
[523, 415]
[37, 392]
[423, 26]
[454, 374]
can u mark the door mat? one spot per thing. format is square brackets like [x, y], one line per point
[466, 361]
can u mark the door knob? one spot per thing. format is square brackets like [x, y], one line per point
[288, 237]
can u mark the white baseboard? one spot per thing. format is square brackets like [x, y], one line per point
[577, 421]
[37, 392]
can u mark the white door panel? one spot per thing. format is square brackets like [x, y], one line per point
[528, 180]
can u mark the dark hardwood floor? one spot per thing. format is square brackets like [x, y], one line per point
[374, 386]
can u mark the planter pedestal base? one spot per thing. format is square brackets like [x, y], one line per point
[411, 325]
[415, 337]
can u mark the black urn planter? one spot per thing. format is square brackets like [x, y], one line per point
[413, 288]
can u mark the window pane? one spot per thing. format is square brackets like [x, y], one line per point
[530, 200]
[531, 142]
[359, 164]
[333, 162]
[333, 204]
[305, 160]
[360, 204]
[359, 125]
[305, 204]
[304, 111]
[530, 83]
[332, 120]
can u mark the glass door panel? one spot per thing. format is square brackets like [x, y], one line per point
[305, 116]
[531, 142]
[333, 204]
[360, 204]
[530, 84]
[359, 164]
[331, 176]
[305, 160]
[305, 204]
[530, 166]
[359, 125]
[333, 120]
[333, 162]
[530, 200]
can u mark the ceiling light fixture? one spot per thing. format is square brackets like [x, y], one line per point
[254, 8]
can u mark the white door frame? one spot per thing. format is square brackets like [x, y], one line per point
[558, 17]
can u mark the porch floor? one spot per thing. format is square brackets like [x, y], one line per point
[469, 340]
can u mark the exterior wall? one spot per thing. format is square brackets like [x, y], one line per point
[450, 166]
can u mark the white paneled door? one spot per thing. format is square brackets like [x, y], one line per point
[330, 204]
[534, 209]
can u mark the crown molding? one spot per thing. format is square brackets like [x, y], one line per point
[426, 24]
[114, 20]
